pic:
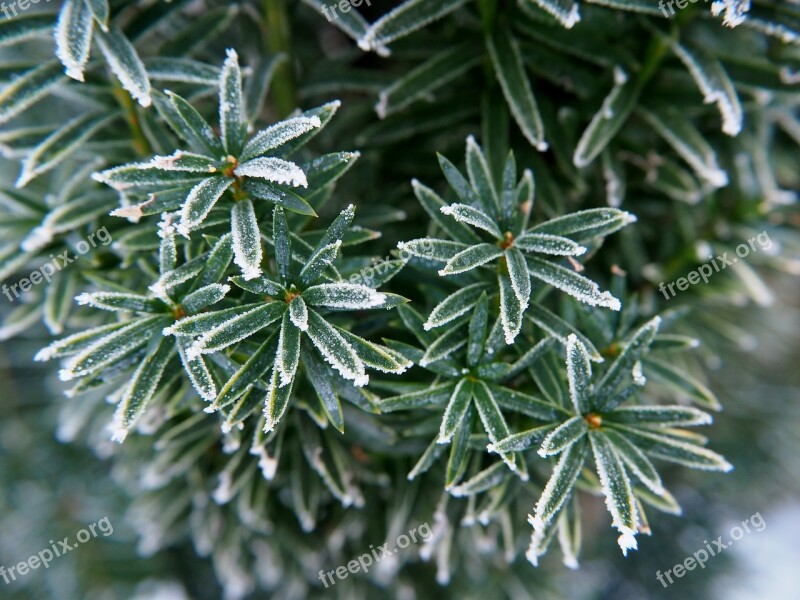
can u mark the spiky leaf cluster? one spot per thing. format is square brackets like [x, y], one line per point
[527, 396]
[515, 250]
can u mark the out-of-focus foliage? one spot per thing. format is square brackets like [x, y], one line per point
[307, 350]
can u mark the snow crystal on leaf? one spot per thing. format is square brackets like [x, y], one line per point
[627, 541]
[298, 313]
[470, 215]
[575, 285]
[118, 433]
[613, 481]
[273, 169]
[454, 306]
[715, 86]
[735, 11]
[638, 377]
[247, 252]
[231, 113]
[537, 546]
[563, 11]
[184, 161]
[278, 134]
[510, 310]
[336, 351]
[198, 373]
[125, 64]
[343, 295]
[73, 36]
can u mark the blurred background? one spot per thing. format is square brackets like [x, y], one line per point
[51, 488]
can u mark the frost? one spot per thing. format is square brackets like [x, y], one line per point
[786, 34]
[605, 456]
[73, 37]
[184, 161]
[132, 175]
[235, 329]
[430, 249]
[575, 285]
[562, 436]
[598, 133]
[556, 490]
[167, 252]
[85, 298]
[200, 201]
[627, 541]
[715, 86]
[638, 377]
[471, 258]
[336, 351]
[735, 11]
[579, 373]
[61, 347]
[510, 310]
[230, 98]
[519, 277]
[198, 373]
[401, 21]
[278, 134]
[125, 64]
[298, 313]
[118, 433]
[564, 11]
[247, 252]
[287, 354]
[107, 349]
[169, 280]
[464, 213]
[535, 549]
[454, 306]
[443, 347]
[132, 213]
[690, 144]
[273, 169]
[545, 243]
[318, 262]
[343, 295]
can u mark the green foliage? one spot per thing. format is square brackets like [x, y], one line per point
[229, 327]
